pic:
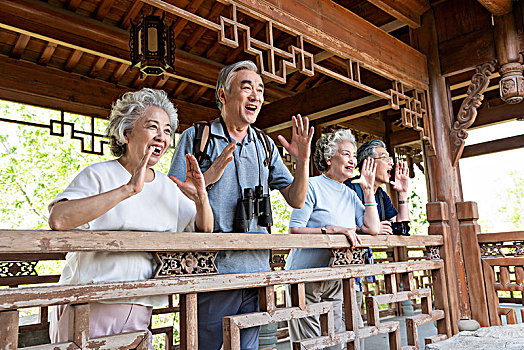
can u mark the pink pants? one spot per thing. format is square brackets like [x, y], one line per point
[104, 319]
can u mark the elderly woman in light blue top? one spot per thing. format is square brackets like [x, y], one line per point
[331, 208]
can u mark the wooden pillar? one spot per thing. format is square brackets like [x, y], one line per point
[468, 215]
[9, 330]
[444, 179]
[188, 322]
[438, 225]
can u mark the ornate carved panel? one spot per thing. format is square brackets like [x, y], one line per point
[345, 256]
[185, 263]
[502, 249]
[18, 268]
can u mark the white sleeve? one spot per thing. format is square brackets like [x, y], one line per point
[85, 184]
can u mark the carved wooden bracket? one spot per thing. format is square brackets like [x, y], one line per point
[170, 264]
[468, 110]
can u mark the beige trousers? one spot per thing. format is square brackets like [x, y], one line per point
[104, 319]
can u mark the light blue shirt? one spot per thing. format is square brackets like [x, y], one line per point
[328, 202]
[224, 194]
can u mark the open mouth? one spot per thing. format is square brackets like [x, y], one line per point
[251, 108]
[157, 151]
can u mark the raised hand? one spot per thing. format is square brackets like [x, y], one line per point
[215, 171]
[401, 182]
[136, 183]
[367, 175]
[194, 187]
[301, 135]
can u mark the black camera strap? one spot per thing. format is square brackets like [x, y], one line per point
[229, 138]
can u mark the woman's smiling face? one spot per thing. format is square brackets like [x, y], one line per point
[153, 129]
[343, 162]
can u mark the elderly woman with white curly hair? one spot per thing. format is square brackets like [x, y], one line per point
[331, 208]
[127, 194]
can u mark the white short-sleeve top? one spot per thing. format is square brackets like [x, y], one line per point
[160, 206]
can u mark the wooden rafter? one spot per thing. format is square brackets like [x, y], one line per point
[20, 45]
[65, 28]
[160, 82]
[47, 53]
[181, 86]
[213, 15]
[133, 11]
[70, 95]
[72, 61]
[497, 7]
[139, 81]
[103, 9]
[97, 66]
[74, 4]
[407, 11]
[192, 7]
[200, 92]
[119, 72]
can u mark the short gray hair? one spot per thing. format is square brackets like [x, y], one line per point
[226, 74]
[327, 145]
[131, 107]
[367, 149]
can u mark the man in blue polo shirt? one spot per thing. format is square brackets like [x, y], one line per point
[236, 162]
[387, 213]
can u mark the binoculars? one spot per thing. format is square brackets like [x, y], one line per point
[400, 228]
[251, 206]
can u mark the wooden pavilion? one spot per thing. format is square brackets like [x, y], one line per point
[416, 73]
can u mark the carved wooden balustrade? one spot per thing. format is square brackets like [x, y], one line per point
[497, 264]
[185, 267]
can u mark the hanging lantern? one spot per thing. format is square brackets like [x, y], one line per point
[152, 45]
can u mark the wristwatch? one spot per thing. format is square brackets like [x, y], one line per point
[323, 229]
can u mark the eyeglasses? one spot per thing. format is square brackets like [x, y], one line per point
[385, 159]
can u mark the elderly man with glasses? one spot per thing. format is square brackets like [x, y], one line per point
[387, 212]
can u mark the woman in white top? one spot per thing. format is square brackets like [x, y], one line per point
[127, 194]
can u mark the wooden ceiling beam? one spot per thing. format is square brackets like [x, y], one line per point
[392, 26]
[74, 4]
[47, 53]
[213, 15]
[111, 42]
[505, 144]
[487, 115]
[407, 11]
[72, 61]
[340, 31]
[133, 11]
[97, 66]
[327, 99]
[119, 72]
[103, 9]
[20, 45]
[497, 7]
[70, 93]
[192, 7]
[467, 51]
[160, 81]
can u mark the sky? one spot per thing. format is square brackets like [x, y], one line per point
[486, 178]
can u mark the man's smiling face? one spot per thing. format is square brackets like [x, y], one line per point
[245, 98]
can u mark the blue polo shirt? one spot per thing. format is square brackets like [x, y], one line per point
[249, 165]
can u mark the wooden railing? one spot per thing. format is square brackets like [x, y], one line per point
[433, 300]
[495, 261]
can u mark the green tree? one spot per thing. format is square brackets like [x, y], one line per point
[513, 196]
